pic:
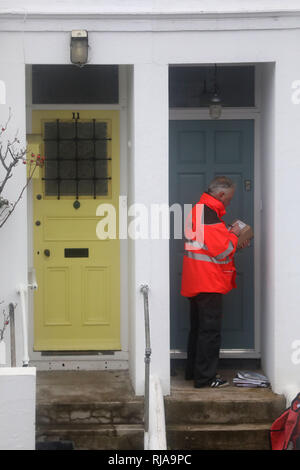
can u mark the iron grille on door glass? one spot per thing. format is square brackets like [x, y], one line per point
[77, 158]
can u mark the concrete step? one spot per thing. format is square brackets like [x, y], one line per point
[220, 407]
[99, 410]
[90, 413]
[230, 418]
[83, 397]
[219, 437]
[92, 409]
[94, 436]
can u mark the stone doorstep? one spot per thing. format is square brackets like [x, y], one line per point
[124, 437]
[94, 437]
[213, 409]
[219, 437]
[100, 411]
[178, 411]
[55, 387]
[230, 418]
[90, 413]
[79, 397]
[92, 409]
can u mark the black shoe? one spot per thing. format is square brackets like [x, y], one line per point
[217, 382]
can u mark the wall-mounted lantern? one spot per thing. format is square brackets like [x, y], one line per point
[79, 47]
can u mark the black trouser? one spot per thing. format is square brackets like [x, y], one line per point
[204, 337]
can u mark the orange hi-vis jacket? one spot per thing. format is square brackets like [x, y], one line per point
[208, 262]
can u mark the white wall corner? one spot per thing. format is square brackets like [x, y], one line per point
[17, 408]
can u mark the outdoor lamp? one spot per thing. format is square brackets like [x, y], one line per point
[79, 47]
[215, 107]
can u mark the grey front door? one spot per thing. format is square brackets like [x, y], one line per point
[200, 150]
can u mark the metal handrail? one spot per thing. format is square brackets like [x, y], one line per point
[22, 292]
[154, 422]
[13, 361]
[145, 290]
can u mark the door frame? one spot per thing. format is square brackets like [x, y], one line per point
[98, 360]
[202, 114]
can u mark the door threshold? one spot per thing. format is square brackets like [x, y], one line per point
[224, 353]
[77, 353]
[178, 365]
[79, 363]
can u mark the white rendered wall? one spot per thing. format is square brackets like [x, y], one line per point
[17, 408]
[280, 157]
[132, 291]
[268, 247]
[146, 6]
[149, 184]
[286, 208]
[13, 235]
[17, 385]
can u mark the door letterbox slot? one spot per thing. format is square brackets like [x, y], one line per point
[76, 252]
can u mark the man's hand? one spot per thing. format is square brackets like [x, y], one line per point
[243, 245]
[235, 229]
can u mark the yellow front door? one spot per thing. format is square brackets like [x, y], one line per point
[77, 304]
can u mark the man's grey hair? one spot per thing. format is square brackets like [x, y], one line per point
[220, 183]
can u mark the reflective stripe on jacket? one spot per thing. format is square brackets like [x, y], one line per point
[208, 262]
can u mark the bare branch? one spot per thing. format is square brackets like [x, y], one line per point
[10, 156]
[15, 204]
[3, 128]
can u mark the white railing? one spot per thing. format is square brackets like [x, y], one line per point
[22, 291]
[154, 411]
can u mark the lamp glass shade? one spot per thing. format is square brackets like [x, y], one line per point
[79, 51]
[215, 107]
